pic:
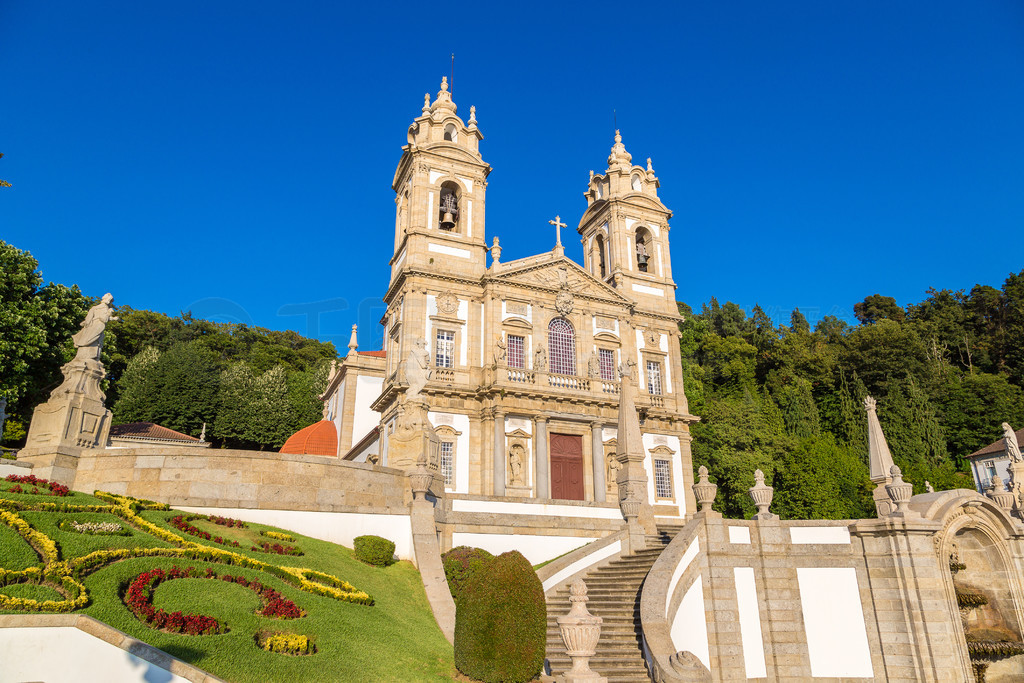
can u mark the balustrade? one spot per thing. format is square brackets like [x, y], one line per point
[569, 382]
[521, 376]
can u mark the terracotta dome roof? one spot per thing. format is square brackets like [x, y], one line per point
[320, 438]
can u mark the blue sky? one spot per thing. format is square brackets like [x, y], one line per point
[235, 158]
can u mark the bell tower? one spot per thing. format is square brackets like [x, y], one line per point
[625, 232]
[440, 187]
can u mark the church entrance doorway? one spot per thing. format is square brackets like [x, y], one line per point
[567, 466]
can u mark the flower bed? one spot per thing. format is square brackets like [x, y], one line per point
[277, 536]
[266, 547]
[181, 523]
[139, 599]
[36, 483]
[285, 643]
[226, 521]
[93, 528]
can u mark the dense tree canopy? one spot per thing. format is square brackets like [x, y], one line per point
[946, 371]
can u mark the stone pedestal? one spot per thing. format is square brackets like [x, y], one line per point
[413, 440]
[518, 491]
[74, 418]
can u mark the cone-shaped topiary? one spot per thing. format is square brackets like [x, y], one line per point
[501, 622]
[460, 563]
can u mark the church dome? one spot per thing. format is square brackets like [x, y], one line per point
[319, 438]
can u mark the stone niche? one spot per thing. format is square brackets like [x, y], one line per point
[986, 594]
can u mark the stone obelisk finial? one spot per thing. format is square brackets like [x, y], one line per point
[353, 342]
[879, 460]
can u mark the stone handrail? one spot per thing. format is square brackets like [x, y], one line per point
[521, 376]
[573, 565]
[569, 382]
[670, 577]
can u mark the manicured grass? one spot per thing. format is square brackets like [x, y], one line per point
[396, 639]
[31, 591]
[15, 552]
[75, 498]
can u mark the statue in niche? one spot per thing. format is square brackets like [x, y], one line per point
[1010, 443]
[89, 340]
[594, 366]
[540, 362]
[500, 349]
[417, 369]
[612, 477]
[515, 462]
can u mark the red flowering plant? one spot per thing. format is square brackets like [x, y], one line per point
[267, 547]
[139, 599]
[227, 521]
[181, 523]
[54, 488]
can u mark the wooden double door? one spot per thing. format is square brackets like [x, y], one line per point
[566, 452]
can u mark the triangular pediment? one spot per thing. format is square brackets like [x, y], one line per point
[557, 273]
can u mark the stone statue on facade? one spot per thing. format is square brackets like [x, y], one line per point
[594, 366]
[540, 362]
[1010, 443]
[500, 349]
[515, 461]
[417, 369]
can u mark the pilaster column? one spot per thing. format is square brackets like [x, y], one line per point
[542, 465]
[499, 452]
[597, 455]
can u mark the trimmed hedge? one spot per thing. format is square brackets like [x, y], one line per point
[501, 622]
[374, 550]
[459, 565]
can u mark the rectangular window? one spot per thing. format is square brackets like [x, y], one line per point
[662, 478]
[607, 360]
[444, 350]
[516, 351]
[447, 462]
[654, 378]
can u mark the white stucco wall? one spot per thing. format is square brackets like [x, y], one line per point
[364, 418]
[65, 653]
[459, 423]
[689, 629]
[335, 527]
[837, 642]
[750, 622]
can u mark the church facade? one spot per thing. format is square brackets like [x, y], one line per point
[524, 356]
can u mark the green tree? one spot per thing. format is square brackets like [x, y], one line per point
[186, 379]
[881, 351]
[304, 391]
[799, 410]
[138, 388]
[877, 307]
[798, 322]
[236, 406]
[971, 407]
[36, 324]
[821, 479]
[273, 412]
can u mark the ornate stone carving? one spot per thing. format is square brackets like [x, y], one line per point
[593, 366]
[605, 323]
[998, 493]
[500, 349]
[417, 369]
[447, 304]
[516, 307]
[419, 480]
[899, 491]
[652, 339]
[762, 495]
[580, 632]
[564, 302]
[704, 491]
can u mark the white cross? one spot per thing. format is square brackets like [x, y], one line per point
[558, 229]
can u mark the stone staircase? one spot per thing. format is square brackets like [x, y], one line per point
[614, 592]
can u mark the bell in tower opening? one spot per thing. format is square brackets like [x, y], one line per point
[449, 210]
[641, 254]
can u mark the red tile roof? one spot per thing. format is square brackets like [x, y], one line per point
[149, 430]
[997, 447]
[320, 438]
[375, 354]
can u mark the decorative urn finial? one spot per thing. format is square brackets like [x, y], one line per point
[762, 495]
[899, 491]
[580, 632]
[704, 491]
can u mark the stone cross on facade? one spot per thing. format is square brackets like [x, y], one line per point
[558, 229]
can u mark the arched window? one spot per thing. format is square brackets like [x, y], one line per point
[451, 133]
[562, 347]
[644, 249]
[599, 243]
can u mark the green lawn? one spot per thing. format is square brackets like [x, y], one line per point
[395, 639]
